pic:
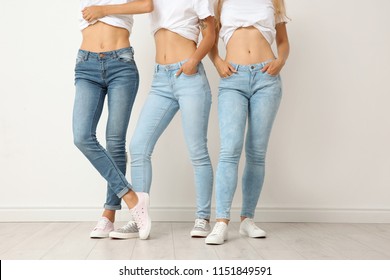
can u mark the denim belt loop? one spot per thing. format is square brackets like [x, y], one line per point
[156, 68]
[86, 56]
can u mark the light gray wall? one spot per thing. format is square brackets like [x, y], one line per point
[329, 155]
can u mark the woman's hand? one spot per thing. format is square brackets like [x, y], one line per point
[273, 68]
[225, 69]
[93, 13]
[189, 68]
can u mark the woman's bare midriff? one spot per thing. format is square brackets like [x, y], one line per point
[248, 46]
[101, 37]
[172, 48]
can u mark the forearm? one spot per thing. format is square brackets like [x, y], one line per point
[214, 55]
[207, 42]
[203, 48]
[283, 51]
[136, 7]
[214, 52]
[282, 42]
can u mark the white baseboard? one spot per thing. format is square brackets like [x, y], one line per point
[183, 214]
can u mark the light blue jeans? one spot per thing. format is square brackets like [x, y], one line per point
[247, 95]
[191, 95]
[97, 75]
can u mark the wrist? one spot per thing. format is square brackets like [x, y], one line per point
[104, 11]
[281, 60]
[217, 61]
[193, 61]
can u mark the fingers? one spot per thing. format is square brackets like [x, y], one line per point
[178, 73]
[232, 68]
[86, 15]
[265, 68]
[89, 14]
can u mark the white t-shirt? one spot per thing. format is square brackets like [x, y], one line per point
[123, 21]
[180, 16]
[245, 13]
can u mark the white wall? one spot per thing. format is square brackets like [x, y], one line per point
[329, 155]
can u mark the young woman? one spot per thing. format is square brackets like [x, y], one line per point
[179, 83]
[105, 67]
[250, 89]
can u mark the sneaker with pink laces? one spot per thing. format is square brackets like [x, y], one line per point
[140, 214]
[102, 228]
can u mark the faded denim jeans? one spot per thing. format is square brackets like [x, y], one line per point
[247, 98]
[113, 75]
[169, 94]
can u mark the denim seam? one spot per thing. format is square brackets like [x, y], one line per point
[150, 139]
[205, 125]
[109, 158]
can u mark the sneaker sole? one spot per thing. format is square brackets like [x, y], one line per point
[213, 242]
[253, 236]
[98, 235]
[199, 233]
[119, 235]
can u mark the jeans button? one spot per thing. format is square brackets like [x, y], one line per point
[102, 55]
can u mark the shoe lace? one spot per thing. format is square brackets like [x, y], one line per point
[102, 223]
[129, 226]
[200, 223]
[252, 223]
[137, 217]
[218, 229]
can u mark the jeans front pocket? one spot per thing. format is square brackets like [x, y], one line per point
[228, 77]
[126, 57]
[80, 58]
[190, 76]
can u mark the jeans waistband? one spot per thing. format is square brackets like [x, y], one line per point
[251, 67]
[105, 55]
[172, 67]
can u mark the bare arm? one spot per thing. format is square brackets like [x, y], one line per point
[136, 7]
[283, 45]
[224, 68]
[208, 34]
[214, 53]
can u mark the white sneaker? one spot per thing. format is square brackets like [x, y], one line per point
[219, 234]
[201, 228]
[129, 230]
[102, 228]
[140, 214]
[248, 228]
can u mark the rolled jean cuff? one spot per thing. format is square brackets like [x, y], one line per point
[223, 217]
[248, 215]
[124, 191]
[204, 218]
[112, 207]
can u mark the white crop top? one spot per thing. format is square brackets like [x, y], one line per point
[180, 16]
[245, 13]
[123, 21]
